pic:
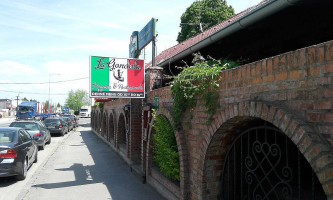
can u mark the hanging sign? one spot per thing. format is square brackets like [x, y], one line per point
[133, 46]
[116, 77]
[147, 34]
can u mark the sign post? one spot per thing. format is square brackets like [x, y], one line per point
[140, 40]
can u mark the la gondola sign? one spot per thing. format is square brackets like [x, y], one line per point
[116, 77]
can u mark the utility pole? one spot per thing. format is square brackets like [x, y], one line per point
[17, 98]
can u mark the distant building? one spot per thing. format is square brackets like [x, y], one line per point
[5, 103]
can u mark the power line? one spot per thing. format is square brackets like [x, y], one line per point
[44, 82]
[32, 92]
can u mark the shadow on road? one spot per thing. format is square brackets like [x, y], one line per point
[7, 181]
[109, 170]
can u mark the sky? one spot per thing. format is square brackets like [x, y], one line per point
[49, 42]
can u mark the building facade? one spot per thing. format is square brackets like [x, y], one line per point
[271, 137]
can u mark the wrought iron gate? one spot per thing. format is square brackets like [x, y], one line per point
[263, 163]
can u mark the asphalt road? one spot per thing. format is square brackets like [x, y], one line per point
[77, 166]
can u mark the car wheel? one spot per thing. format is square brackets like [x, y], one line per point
[36, 157]
[49, 142]
[42, 147]
[24, 171]
[63, 133]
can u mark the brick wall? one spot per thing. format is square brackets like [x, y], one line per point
[292, 91]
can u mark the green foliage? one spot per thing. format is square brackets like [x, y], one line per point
[77, 99]
[206, 12]
[200, 79]
[165, 149]
[100, 105]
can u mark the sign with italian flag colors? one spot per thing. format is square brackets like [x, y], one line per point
[116, 77]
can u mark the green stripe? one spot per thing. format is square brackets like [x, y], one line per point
[100, 76]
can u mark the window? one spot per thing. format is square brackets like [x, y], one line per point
[24, 136]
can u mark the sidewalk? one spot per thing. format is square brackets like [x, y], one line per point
[7, 119]
[84, 167]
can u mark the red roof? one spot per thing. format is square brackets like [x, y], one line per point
[172, 51]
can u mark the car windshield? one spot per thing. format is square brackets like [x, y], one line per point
[84, 110]
[7, 136]
[65, 118]
[51, 121]
[70, 116]
[25, 108]
[25, 125]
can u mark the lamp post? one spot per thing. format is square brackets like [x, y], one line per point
[50, 89]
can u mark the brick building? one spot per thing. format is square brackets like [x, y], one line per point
[272, 135]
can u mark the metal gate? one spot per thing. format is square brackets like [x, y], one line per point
[263, 163]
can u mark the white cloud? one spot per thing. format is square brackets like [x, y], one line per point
[63, 69]
[9, 67]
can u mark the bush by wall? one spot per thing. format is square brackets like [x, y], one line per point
[165, 150]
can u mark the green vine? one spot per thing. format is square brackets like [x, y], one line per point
[200, 79]
[100, 106]
[165, 149]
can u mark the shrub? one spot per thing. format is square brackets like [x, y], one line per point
[200, 79]
[165, 149]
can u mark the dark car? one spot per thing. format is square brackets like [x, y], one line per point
[18, 151]
[69, 123]
[37, 130]
[56, 125]
[74, 120]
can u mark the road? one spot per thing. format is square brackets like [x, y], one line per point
[77, 166]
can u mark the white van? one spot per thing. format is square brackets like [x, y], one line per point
[85, 111]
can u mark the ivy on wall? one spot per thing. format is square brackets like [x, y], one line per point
[100, 106]
[165, 150]
[202, 78]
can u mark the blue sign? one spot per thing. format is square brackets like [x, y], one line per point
[133, 46]
[147, 34]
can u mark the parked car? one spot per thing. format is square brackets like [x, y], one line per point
[37, 130]
[74, 120]
[56, 125]
[18, 151]
[69, 123]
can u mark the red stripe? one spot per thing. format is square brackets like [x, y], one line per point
[135, 78]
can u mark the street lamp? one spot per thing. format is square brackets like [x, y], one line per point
[50, 88]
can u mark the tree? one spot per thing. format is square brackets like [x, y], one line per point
[202, 15]
[46, 107]
[77, 99]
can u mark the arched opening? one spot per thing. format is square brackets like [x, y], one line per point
[100, 123]
[249, 158]
[95, 121]
[163, 152]
[92, 119]
[263, 163]
[104, 127]
[122, 138]
[111, 128]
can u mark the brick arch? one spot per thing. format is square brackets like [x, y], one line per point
[182, 150]
[121, 130]
[111, 127]
[92, 119]
[96, 120]
[225, 128]
[99, 122]
[104, 125]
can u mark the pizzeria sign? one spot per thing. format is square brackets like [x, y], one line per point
[116, 77]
